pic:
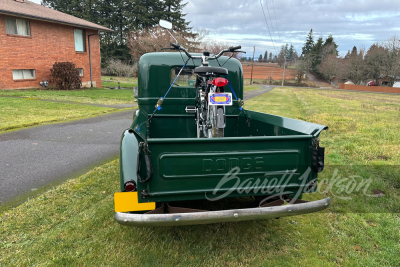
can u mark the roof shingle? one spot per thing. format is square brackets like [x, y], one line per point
[32, 10]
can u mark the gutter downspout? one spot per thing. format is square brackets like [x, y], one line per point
[90, 60]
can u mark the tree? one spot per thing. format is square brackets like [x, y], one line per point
[282, 54]
[270, 57]
[330, 67]
[290, 52]
[355, 66]
[374, 59]
[354, 52]
[330, 47]
[260, 58]
[308, 45]
[123, 16]
[316, 54]
[266, 56]
[391, 61]
[156, 38]
[172, 11]
[214, 47]
[302, 66]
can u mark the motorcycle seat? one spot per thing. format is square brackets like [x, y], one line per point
[215, 70]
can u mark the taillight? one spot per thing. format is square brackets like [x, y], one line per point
[220, 82]
[130, 186]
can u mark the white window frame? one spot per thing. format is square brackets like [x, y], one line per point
[15, 26]
[80, 72]
[83, 48]
[17, 73]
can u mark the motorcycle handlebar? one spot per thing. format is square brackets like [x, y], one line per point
[176, 46]
[233, 48]
[230, 49]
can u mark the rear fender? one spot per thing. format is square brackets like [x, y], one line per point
[128, 157]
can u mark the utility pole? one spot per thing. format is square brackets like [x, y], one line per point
[252, 65]
[284, 66]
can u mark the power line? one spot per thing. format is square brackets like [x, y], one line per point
[268, 27]
[270, 20]
[276, 23]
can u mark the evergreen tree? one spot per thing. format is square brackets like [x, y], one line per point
[331, 46]
[260, 58]
[316, 50]
[270, 57]
[287, 51]
[291, 51]
[266, 56]
[123, 16]
[354, 52]
[316, 54]
[282, 54]
[374, 60]
[308, 45]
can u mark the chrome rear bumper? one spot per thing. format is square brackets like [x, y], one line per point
[207, 217]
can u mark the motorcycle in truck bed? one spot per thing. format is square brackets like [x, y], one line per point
[181, 147]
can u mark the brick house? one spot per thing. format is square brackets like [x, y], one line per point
[34, 37]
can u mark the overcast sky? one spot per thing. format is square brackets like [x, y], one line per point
[239, 22]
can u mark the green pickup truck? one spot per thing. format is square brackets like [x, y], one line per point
[173, 153]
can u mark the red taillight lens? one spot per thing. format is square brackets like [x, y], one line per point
[220, 82]
[130, 186]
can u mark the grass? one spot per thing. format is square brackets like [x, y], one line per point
[19, 112]
[73, 224]
[122, 79]
[115, 84]
[90, 95]
[304, 83]
[251, 87]
[364, 127]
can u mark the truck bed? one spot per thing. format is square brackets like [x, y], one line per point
[272, 148]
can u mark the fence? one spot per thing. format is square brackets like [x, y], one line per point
[369, 88]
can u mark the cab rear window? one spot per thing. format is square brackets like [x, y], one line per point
[187, 78]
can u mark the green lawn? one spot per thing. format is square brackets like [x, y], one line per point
[90, 95]
[19, 112]
[115, 78]
[73, 224]
[364, 127]
[115, 84]
[251, 87]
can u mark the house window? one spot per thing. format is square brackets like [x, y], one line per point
[23, 74]
[17, 27]
[80, 72]
[79, 36]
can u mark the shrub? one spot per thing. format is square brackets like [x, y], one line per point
[120, 69]
[65, 76]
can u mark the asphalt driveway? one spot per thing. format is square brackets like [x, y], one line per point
[35, 158]
[264, 89]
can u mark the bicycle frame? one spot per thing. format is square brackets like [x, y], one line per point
[210, 119]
